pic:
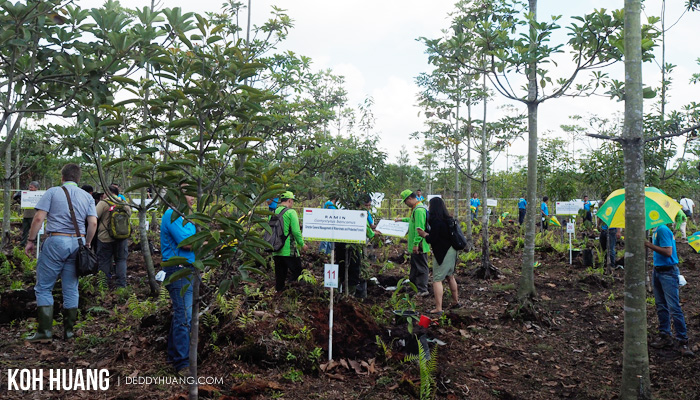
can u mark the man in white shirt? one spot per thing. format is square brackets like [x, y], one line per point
[688, 205]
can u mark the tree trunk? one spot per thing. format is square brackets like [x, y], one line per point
[145, 247]
[468, 186]
[526, 289]
[456, 155]
[635, 364]
[488, 270]
[7, 194]
[194, 334]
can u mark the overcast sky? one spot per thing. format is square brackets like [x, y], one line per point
[373, 44]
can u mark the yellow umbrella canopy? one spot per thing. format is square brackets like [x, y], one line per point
[694, 242]
[554, 221]
[659, 209]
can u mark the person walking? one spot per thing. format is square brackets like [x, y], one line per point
[587, 208]
[681, 223]
[474, 202]
[417, 246]
[172, 233]
[544, 211]
[288, 259]
[688, 206]
[444, 255]
[57, 256]
[666, 291]
[28, 215]
[522, 209]
[110, 249]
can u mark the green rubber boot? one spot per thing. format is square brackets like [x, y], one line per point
[43, 331]
[69, 315]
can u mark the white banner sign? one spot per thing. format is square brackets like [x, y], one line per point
[491, 203]
[30, 198]
[430, 196]
[150, 202]
[345, 226]
[391, 228]
[568, 207]
[330, 275]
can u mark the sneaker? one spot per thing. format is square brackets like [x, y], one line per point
[424, 294]
[184, 372]
[684, 349]
[662, 342]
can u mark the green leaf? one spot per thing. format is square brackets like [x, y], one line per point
[224, 286]
[172, 261]
[183, 123]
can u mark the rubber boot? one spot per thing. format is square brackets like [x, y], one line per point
[361, 290]
[69, 315]
[43, 331]
[351, 290]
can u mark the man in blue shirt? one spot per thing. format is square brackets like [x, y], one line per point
[475, 202]
[171, 234]
[544, 210]
[587, 208]
[419, 195]
[666, 288]
[57, 256]
[522, 208]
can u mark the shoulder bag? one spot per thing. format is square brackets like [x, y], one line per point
[85, 258]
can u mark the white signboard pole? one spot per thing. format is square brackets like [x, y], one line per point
[330, 277]
[570, 229]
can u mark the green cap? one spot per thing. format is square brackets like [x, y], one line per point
[287, 195]
[405, 194]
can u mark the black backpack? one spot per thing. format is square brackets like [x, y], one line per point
[459, 242]
[276, 236]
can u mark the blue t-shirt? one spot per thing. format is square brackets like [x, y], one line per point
[587, 205]
[475, 202]
[171, 234]
[121, 196]
[330, 205]
[55, 203]
[420, 198]
[522, 203]
[663, 237]
[370, 219]
[545, 209]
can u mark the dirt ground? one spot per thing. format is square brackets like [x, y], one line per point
[263, 345]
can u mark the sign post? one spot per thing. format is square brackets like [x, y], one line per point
[330, 280]
[331, 225]
[570, 229]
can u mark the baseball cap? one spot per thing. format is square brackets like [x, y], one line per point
[287, 195]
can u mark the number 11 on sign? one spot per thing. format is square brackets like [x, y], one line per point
[330, 276]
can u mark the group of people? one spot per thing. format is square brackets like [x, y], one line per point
[72, 216]
[428, 230]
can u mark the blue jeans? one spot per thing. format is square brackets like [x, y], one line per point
[57, 257]
[119, 249]
[668, 303]
[326, 247]
[179, 336]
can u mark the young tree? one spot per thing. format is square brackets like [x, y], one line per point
[49, 65]
[517, 45]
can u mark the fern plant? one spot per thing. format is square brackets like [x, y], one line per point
[427, 370]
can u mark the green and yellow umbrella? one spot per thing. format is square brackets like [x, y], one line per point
[659, 209]
[554, 221]
[694, 242]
